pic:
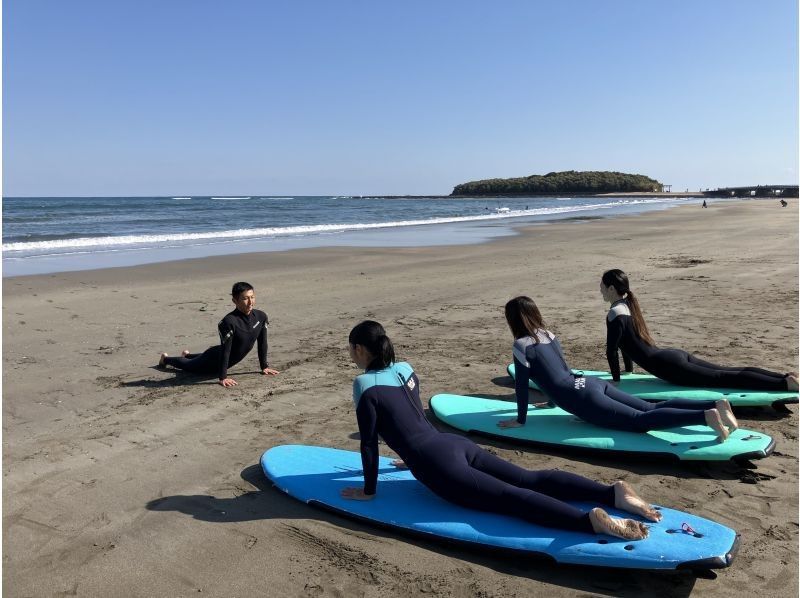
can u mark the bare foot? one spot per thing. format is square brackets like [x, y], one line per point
[726, 413]
[627, 529]
[161, 363]
[792, 382]
[185, 352]
[625, 498]
[714, 421]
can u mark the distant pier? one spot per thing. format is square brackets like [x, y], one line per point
[754, 191]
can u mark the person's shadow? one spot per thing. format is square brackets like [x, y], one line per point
[267, 502]
[180, 378]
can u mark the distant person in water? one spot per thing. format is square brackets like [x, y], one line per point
[538, 357]
[627, 331]
[705, 205]
[238, 332]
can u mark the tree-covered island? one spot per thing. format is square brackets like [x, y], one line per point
[570, 181]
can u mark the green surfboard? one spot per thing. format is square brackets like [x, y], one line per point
[552, 426]
[650, 388]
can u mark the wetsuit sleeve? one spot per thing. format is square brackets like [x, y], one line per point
[263, 345]
[521, 375]
[613, 336]
[226, 333]
[367, 417]
[626, 359]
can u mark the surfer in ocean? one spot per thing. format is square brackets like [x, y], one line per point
[238, 332]
[387, 403]
[627, 331]
[538, 357]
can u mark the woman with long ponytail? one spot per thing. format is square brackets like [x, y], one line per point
[538, 357]
[627, 331]
[387, 403]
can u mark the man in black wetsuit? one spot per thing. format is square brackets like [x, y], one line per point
[238, 332]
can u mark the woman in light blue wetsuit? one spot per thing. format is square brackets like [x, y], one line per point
[455, 468]
[538, 357]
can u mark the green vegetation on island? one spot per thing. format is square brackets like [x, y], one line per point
[570, 181]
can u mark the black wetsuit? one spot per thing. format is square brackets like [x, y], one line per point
[593, 400]
[455, 468]
[676, 366]
[238, 333]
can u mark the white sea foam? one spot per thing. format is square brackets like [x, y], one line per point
[142, 241]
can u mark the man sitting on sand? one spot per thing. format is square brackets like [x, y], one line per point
[238, 332]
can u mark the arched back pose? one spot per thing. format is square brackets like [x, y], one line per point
[387, 403]
[538, 357]
[238, 332]
[628, 332]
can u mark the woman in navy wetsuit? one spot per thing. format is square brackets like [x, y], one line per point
[628, 332]
[538, 357]
[455, 468]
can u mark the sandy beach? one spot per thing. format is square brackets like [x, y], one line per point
[120, 479]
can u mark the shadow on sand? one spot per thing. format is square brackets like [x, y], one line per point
[266, 502]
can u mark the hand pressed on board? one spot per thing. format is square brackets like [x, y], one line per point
[352, 493]
[270, 372]
[228, 382]
[509, 423]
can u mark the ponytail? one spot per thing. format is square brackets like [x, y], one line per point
[619, 280]
[372, 336]
[639, 325]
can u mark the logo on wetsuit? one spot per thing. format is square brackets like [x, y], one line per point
[256, 324]
[580, 383]
[410, 383]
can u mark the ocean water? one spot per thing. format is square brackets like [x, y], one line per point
[53, 234]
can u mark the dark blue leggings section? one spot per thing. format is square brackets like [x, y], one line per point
[206, 363]
[603, 404]
[680, 367]
[458, 470]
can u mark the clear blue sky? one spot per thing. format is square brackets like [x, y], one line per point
[166, 97]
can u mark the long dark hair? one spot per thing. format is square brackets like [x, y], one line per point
[372, 336]
[523, 317]
[619, 280]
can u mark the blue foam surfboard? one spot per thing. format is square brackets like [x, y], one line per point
[554, 427]
[650, 388]
[316, 475]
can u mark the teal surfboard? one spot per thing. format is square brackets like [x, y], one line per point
[316, 475]
[555, 427]
[650, 388]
